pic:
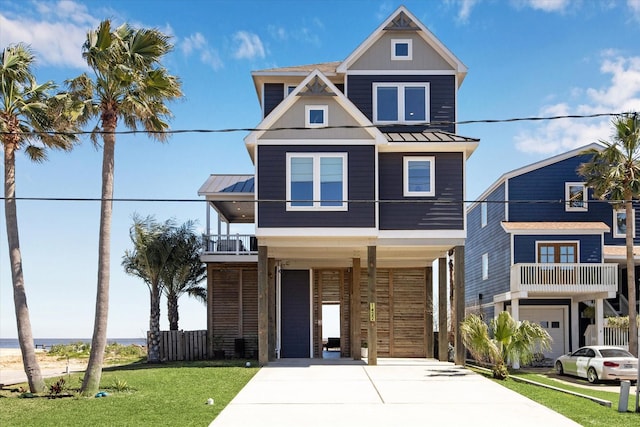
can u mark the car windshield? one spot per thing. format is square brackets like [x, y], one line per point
[615, 352]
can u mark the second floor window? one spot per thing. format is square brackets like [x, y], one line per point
[483, 214]
[575, 195]
[557, 253]
[316, 181]
[620, 223]
[400, 102]
[419, 176]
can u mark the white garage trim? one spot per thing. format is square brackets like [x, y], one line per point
[537, 314]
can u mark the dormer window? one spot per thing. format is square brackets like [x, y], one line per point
[316, 116]
[401, 50]
[400, 102]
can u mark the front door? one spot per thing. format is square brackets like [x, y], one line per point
[295, 314]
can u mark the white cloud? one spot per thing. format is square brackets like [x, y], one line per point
[198, 44]
[278, 33]
[621, 94]
[634, 5]
[56, 33]
[465, 9]
[249, 46]
[548, 5]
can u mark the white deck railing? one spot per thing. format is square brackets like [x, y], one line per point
[560, 278]
[612, 336]
[230, 244]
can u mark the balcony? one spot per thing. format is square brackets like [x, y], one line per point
[229, 247]
[564, 278]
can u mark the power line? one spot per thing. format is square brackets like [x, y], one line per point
[434, 125]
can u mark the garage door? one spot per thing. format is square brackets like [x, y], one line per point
[552, 319]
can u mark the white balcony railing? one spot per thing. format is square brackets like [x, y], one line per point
[561, 278]
[612, 336]
[230, 244]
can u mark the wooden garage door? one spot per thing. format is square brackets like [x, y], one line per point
[401, 311]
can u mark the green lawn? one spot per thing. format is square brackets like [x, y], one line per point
[580, 410]
[167, 394]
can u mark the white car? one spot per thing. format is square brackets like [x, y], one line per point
[599, 362]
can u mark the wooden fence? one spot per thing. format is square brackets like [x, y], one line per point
[183, 345]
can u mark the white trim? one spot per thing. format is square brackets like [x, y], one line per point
[317, 202]
[567, 197]
[558, 242]
[311, 314]
[400, 94]
[565, 317]
[298, 142]
[485, 266]
[408, 42]
[614, 225]
[307, 116]
[288, 89]
[553, 232]
[278, 310]
[405, 176]
[401, 73]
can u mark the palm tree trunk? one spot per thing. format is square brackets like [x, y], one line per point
[153, 355]
[631, 277]
[25, 336]
[172, 310]
[93, 374]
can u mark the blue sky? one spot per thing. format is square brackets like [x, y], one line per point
[525, 58]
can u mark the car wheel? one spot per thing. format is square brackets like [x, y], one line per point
[559, 368]
[592, 376]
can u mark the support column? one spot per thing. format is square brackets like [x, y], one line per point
[263, 306]
[458, 295]
[372, 333]
[209, 312]
[575, 326]
[443, 333]
[271, 268]
[428, 325]
[355, 310]
[599, 321]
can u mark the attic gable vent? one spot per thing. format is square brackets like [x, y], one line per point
[402, 23]
[316, 88]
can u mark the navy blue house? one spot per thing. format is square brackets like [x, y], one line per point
[541, 247]
[358, 188]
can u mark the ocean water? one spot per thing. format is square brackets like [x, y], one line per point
[48, 342]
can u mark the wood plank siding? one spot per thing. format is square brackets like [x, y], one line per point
[401, 311]
[442, 90]
[272, 172]
[444, 211]
[234, 311]
[334, 286]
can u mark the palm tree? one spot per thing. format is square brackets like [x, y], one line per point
[153, 248]
[130, 84]
[614, 174]
[28, 112]
[184, 272]
[503, 341]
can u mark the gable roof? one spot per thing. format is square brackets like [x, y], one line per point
[403, 19]
[533, 166]
[315, 79]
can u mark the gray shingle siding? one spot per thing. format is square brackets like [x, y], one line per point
[272, 170]
[444, 211]
[492, 240]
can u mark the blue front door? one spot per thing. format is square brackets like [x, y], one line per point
[295, 320]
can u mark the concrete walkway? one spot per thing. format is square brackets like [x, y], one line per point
[397, 392]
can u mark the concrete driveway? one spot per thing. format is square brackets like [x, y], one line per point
[397, 392]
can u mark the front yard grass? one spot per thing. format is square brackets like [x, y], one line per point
[583, 411]
[138, 394]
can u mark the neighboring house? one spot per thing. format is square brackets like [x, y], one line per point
[542, 248]
[358, 188]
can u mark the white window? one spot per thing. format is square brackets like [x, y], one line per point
[400, 102]
[316, 116]
[483, 214]
[485, 266]
[401, 49]
[317, 181]
[575, 196]
[419, 176]
[288, 89]
[620, 223]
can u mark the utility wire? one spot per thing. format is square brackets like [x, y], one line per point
[433, 125]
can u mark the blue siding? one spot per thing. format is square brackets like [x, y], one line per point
[442, 91]
[589, 247]
[273, 95]
[445, 211]
[272, 185]
[492, 240]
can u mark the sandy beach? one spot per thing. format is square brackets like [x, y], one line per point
[12, 370]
